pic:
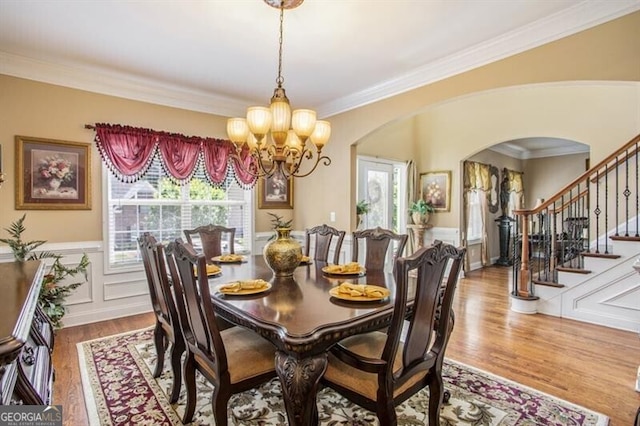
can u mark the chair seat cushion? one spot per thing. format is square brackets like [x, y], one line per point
[248, 354]
[369, 345]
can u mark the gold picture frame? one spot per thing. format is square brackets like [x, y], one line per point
[52, 174]
[275, 192]
[435, 187]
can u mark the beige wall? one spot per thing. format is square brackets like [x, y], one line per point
[42, 110]
[546, 176]
[558, 90]
[454, 119]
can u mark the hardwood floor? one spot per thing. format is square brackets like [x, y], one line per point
[582, 363]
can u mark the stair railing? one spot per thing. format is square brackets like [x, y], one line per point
[556, 235]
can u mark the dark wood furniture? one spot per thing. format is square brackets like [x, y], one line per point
[402, 368]
[323, 235]
[233, 360]
[26, 336]
[212, 239]
[376, 242]
[167, 330]
[303, 321]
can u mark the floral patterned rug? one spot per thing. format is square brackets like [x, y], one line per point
[120, 390]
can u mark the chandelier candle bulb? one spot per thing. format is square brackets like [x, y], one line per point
[321, 134]
[238, 130]
[303, 122]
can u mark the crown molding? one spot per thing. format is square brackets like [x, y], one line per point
[119, 85]
[521, 153]
[583, 15]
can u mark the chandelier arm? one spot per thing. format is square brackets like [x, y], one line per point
[326, 161]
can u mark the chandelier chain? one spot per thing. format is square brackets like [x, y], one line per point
[280, 79]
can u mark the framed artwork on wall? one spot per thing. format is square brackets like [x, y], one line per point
[275, 192]
[52, 174]
[435, 187]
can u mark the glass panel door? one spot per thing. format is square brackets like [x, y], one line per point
[375, 186]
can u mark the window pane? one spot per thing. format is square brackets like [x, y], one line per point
[157, 205]
[474, 230]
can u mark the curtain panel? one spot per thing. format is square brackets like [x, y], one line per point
[477, 177]
[516, 184]
[129, 151]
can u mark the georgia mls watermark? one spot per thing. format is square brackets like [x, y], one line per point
[30, 415]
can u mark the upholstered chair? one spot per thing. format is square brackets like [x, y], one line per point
[377, 243]
[322, 237]
[167, 329]
[380, 370]
[232, 360]
[211, 239]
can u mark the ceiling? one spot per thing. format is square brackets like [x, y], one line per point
[527, 148]
[220, 56]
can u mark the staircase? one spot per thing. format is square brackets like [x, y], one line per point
[574, 255]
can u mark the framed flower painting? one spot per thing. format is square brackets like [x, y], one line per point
[435, 187]
[275, 192]
[52, 174]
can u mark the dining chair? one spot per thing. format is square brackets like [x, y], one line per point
[232, 360]
[322, 237]
[376, 243]
[211, 239]
[167, 329]
[380, 370]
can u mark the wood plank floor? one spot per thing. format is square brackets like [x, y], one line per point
[585, 364]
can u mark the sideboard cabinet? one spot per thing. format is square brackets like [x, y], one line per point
[26, 336]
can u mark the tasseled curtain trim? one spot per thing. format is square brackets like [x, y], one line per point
[129, 151]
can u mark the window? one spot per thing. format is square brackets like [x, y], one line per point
[474, 227]
[157, 205]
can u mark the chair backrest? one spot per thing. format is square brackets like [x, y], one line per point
[197, 316]
[212, 238]
[376, 243]
[155, 269]
[323, 236]
[437, 267]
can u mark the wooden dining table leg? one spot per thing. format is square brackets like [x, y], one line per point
[299, 378]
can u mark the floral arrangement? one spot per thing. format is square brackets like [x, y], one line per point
[55, 167]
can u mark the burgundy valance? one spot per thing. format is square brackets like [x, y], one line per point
[129, 151]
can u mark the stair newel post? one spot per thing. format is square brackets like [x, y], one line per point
[525, 278]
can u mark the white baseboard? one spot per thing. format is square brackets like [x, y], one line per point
[72, 319]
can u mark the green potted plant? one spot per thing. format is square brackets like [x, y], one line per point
[52, 294]
[362, 208]
[420, 211]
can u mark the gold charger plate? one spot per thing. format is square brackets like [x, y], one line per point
[210, 272]
[305, 260]
[242, 292]
[359, 272]
[220, 259]
[344, 296]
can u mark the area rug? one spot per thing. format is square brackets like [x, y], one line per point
[119, 389]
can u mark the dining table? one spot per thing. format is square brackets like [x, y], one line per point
[302, 320]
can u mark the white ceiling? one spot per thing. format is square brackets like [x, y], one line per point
[220, 56]
[527, 148]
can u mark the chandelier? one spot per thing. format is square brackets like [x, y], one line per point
[279, 140]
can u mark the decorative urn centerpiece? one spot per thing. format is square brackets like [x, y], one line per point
[283, 254]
